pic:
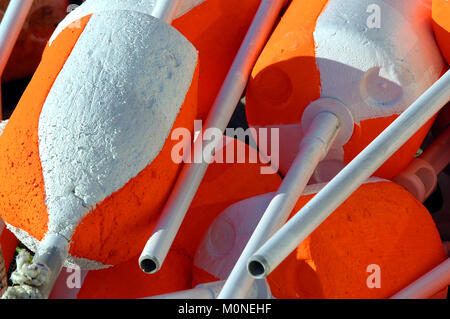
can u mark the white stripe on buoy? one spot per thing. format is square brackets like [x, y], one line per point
[95, 6]
[367, 68]
[110, 110]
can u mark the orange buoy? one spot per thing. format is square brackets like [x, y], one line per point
[441, 26]
[44, 16]
[365, 249]
[340, 51]
[224, 184]
[89, 144]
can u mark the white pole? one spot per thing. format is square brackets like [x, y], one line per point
[12, 23]
[10, 27]
[52, 252]
[210, 290]
[280, 245]
[203, 291]
[166, 10]
[427, 285]
[158, 245]
[36, 279]
[313, 149]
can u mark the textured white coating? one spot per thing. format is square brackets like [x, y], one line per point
[95, 6]
[376, 72]
[110, 110]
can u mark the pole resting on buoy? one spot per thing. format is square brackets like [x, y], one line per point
[429, 284]
[327, 122]
[280, 245]
[159, 243]
[166, 10]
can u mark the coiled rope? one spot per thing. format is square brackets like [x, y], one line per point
[27, 278]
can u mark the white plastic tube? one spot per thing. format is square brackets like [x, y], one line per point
[52, 252]
[210, 290]
[165, 10]
[280, 245]
[427, 285]
[204, 291]
[10, 27]
[313, 149]
[420, 178]
[157, 247]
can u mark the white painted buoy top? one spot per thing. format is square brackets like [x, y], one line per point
[96, 6]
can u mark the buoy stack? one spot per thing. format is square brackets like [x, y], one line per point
[89, 139]
[107, 169]
[365, 243]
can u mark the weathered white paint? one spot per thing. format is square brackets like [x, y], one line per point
[110, 110]
[95, 6]
[376, 72]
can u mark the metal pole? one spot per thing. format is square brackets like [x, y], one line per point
[166, 10]
[280, 245]
[158, 245]
[320, 135]
[427, 285]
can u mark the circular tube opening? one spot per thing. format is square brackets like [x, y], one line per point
[149, 265]
[257, 268]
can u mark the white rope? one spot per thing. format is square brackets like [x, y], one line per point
[27, 278]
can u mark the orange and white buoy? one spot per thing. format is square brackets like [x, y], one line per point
[352, 54]
[224, 184]
[364, 250]
[89, 147]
